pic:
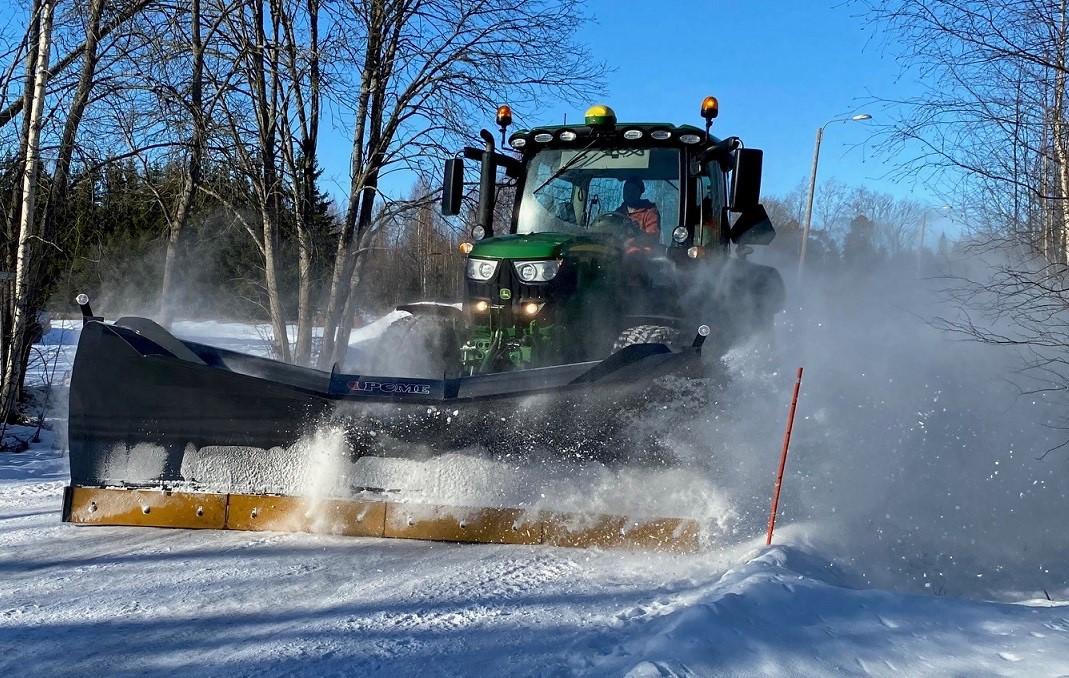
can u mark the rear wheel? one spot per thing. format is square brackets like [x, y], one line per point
[646, 334]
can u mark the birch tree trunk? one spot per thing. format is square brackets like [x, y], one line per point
[1058, 131]
[309, 152]
[377, 139]
[13, 369]
[11, 227]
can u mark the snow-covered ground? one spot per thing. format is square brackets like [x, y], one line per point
[121, 601]
[921, 535]
[51, 359]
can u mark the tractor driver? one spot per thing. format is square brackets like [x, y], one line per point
[642, 212]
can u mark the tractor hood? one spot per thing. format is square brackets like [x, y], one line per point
[536, 245]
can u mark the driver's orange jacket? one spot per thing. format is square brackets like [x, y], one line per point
[647, 218]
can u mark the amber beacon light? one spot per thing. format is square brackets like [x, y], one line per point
[710, 108]
[504, 119]
[504, 115]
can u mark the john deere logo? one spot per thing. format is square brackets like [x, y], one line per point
[505, 294]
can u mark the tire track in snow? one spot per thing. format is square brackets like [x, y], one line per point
[463, 596]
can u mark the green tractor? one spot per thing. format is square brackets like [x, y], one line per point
[619, 234]
[622, 267]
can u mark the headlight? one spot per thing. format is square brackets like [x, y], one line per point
[481, 269]
[680, 234]
[536, 271]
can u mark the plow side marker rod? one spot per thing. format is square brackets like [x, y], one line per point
[783, 458]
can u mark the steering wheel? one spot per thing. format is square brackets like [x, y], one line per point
[614, 222]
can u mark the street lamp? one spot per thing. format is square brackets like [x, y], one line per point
[813, 183]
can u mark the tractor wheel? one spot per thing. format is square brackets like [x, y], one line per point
[419, 346]
[646, 334]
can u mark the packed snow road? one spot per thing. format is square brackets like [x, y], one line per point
[122, 601]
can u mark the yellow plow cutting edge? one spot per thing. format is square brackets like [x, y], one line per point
[361, 518]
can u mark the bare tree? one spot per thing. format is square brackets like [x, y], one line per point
[300, 136]
[428, 67]
[191, 182]
[253, 117]
[992, 113]
[122, 16]
[57, 195]
[13, 368]
[992, 130]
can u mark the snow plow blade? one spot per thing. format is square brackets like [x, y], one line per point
[171, 433]
[142, 400]
[383, 519]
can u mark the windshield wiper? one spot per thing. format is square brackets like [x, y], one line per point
[565, 167]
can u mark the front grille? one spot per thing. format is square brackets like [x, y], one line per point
[510, 312]
[506, 278]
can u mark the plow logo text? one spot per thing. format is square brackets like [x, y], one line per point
[389, 387]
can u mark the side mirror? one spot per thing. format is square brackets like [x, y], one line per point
[746, 179]
[452, 187]
[753, 227]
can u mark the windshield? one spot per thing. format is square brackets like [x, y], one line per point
[615, 190]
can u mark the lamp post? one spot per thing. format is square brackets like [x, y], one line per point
[813, 183]
[940, 210]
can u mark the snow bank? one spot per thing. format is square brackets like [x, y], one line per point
[787, 611]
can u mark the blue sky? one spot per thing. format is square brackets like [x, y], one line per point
[780, 69]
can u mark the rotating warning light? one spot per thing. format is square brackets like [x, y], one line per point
[504, 115]
[710, 108]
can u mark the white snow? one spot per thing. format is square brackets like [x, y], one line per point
[917, 539]
[125, 601]
[375, 328]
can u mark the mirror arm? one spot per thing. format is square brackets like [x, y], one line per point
[723, 147]
[512, 165]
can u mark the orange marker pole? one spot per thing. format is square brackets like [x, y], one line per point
[783, 458]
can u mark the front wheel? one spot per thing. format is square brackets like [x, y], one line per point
[419, 347]
[646, 334]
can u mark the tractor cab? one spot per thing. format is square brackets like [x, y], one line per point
[611, 223]
[628, 192]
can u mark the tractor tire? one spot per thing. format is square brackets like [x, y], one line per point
[646, 334]
[419, 346]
